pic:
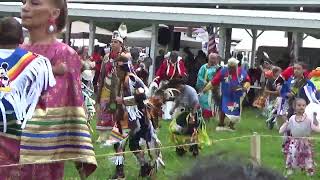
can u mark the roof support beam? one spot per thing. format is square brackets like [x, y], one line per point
[211, 2]
[252, 19]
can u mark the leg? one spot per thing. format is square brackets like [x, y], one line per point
[221, 124]
[221, 119]
[145, 169]
[119, 162]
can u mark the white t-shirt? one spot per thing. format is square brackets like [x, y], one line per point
[5, 53]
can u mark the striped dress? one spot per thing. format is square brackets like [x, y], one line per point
[57, 130]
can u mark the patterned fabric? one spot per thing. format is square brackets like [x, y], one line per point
[170, 70]
[205, 75]
[231, 87]
[57, 129]
[105, 118]
[182, 132]
[23, 76]
[299, 154]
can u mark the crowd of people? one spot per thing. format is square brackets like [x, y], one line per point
[49, 95]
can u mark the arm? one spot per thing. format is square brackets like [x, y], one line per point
[315, 124]
[271, 92]
[284, 127]
[183, 68]
[201, 75]
[214, 82]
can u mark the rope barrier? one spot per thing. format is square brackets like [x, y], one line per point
[151, 149]
[122, 153]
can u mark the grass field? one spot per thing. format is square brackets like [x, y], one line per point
[251, 122]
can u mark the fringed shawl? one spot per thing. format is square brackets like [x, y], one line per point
[26, 75]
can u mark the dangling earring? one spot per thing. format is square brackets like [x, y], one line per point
[51, 26]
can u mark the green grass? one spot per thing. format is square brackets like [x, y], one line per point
[251, 122]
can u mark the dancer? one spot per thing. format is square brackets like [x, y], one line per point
[171, 67]
[272, 91]
[315, 79]
[132, 96]
[205, 75]
[234, 82]
[188, 125]
[298, 148]
[297, 86]
[105, 103]
[64, 102]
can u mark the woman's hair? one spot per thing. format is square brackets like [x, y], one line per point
[62, 19]
[10, 31]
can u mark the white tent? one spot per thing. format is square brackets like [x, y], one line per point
[142, 38]
[84, 42]
[273, 38]
[82, 27]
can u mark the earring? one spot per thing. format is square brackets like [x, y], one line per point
[51, 26]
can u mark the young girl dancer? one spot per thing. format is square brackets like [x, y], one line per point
[298, 148]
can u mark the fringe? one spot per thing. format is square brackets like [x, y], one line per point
[134, 113]
[27, 88]
[117, 160]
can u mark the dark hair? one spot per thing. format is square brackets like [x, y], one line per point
[240, 56]
[10, 31]
[214, 167]
[294, 103]
[62, 19]
[176, 82]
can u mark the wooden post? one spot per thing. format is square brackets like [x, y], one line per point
[255, 148]
[68, 33]
[153, 51]
[171, 44]
[297, 44]
[254, 45]
[222, 42]
[92, 32]
[228, 44]
[189, 31]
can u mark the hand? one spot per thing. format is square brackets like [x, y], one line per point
[290, 95]
[59, 69]
[246, 86]
[119, 100]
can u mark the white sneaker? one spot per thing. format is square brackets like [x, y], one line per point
[289, 173]
[221, 128]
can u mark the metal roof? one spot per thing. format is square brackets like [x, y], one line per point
[277, 20]
[285, 3]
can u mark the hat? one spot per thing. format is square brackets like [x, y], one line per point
[116, 36]
[233, 62]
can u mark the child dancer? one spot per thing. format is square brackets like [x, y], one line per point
[298, 148]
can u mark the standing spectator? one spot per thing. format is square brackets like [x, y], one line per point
[97, 58]
[190, 64]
